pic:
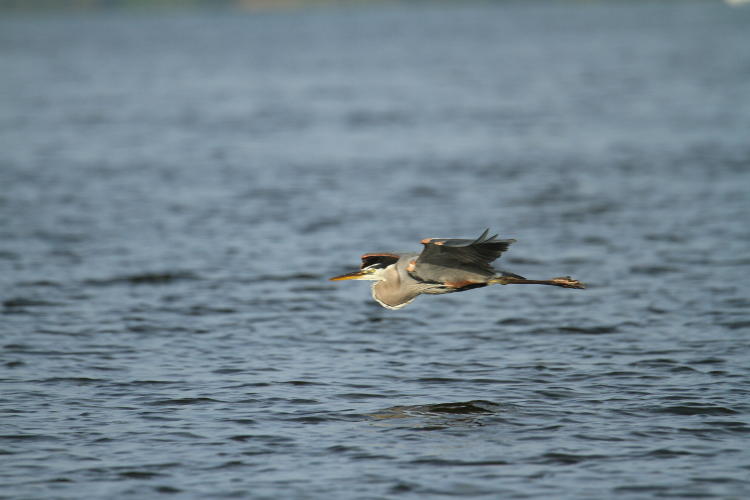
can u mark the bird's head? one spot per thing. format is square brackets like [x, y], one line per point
[375, 272]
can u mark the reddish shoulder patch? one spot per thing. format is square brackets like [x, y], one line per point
[434, 241]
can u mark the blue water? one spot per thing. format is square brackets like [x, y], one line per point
[177, 186]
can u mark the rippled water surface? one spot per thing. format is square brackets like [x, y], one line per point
[176, 187]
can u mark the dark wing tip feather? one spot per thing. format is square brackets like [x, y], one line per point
[482, 237]
[481, 240]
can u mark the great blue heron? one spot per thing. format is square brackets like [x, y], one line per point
[444, 266]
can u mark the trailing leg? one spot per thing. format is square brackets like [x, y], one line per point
[564, 281]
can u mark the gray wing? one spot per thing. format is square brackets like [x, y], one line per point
[444, 260]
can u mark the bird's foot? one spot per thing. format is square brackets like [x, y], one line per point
[567, 282]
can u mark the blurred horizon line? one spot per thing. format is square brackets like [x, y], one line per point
[29, 5]
[255, 5]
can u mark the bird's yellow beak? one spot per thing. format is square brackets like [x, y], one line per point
[356, 275]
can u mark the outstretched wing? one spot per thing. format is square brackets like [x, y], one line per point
[444, 260]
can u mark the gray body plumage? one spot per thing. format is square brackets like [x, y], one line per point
[398, 288]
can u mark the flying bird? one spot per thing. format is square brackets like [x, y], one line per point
[444, 266]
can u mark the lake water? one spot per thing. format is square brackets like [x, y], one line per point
[177, 186]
